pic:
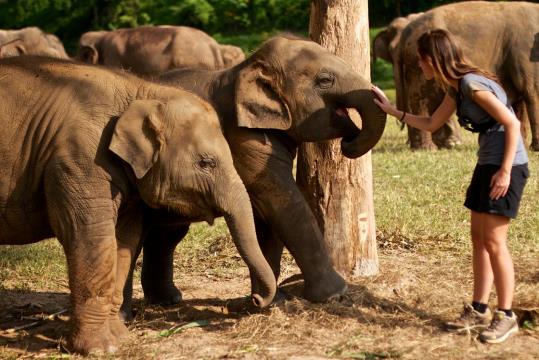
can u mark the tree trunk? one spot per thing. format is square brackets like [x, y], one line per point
[339, 190]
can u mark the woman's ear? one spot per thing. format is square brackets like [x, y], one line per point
[138, 135]
[259, 102]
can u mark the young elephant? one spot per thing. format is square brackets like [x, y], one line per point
[90, 155]
[287, 92]
[152, 50]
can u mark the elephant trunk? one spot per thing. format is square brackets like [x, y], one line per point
[238, 214]
[373, 123]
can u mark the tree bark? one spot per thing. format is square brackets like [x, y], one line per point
[339, 190]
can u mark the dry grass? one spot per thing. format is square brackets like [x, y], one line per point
[424, 277]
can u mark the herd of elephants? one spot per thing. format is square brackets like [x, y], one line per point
[113, 162]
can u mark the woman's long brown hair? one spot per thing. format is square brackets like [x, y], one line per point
[447, 58]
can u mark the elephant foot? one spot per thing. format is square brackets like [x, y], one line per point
[450, 144]
[325, 290]
[97, 341]
[118, 329]
[281, 296]
[166, 296]
[428, 147]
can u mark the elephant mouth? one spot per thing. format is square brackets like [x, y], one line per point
[345, 121]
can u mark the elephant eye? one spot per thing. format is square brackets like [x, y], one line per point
[207, 163]
[325, 80]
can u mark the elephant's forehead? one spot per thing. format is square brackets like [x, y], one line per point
[308, 57]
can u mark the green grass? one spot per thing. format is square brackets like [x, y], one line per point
[33, 267]
[420, 193]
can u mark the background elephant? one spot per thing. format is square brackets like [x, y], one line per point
[387, 40]
[152, 50]
[385, 46]
[287, 92]
[497, 36]
[30, 41]
[90, 156]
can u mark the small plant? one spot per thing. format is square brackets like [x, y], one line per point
[177, 329]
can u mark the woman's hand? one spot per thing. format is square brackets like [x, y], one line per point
[499, 184]
[383, 102]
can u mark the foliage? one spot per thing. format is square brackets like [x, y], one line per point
[70, 18]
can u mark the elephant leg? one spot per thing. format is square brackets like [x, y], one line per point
[522, 116]
[264, 163]
[448, 136]
[418, 104]
[126, 309]
[158, 264]
[292, 220]
[129, 238]
[90, 247]
[420, 139]
[532, 107]
[85, 225]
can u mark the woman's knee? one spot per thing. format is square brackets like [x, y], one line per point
[494, 244]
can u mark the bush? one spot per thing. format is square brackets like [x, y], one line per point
[70, 18]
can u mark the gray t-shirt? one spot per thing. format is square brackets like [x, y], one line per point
[491, 142]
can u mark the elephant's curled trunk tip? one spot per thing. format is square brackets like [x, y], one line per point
[374, 121]
[264, 296]
[259, 301]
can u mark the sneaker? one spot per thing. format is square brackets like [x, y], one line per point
[501, 327]
[469, 319]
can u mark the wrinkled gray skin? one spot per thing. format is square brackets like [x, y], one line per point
[384, 46]
[30, 41]
[501, 37]
[96, 158]
[287, 92]
[152, 50]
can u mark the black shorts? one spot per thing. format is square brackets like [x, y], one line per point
[477, 195]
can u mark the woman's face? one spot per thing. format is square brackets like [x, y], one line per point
[427, 68]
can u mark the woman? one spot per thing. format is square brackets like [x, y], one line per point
[498, 179]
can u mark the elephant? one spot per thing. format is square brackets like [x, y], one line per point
[500, 37]
[287, 92]
[385, 45]
[30, 41]
[93, 156]
[151, 50]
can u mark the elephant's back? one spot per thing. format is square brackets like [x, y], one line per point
[193, 48]
[34, 76]
[480, 27]
[48, 105]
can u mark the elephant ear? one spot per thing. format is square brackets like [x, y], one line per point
[13, 48]
[232, 55]
[259, 103]
[138, 135]
[88, 54]
[380, 48]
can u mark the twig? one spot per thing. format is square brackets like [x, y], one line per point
[36, 323]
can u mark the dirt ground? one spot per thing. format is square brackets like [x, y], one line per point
[396, 314]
